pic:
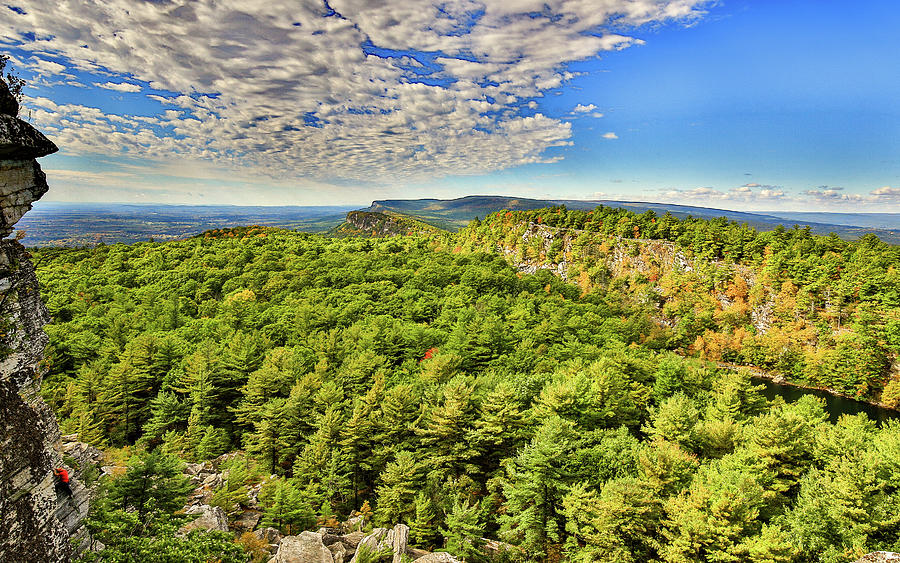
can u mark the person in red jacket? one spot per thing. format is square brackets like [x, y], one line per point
[62, 480]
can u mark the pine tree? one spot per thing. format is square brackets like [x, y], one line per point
[273, 379]
[395, 497]
[720, 508]
[242, 356]
[152, 481]
[463, 530]
[124, 400]
[424, 529]
[167, 412]
[321, 464]
[675, 420]
[357, 437]
[536, 482]
[735, 397]
[398, 411]
[499, 427]
[446, 430]
[265, 440]
[201, 382]
[285, 508]
[618, 525]
[213, 443]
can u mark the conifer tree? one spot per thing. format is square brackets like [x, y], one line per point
[264, 441]
[446, 430]
[499, 427]
[320, 463]
[167, 412]
[395, 497]
[424, 528]
[358, 437]
[463, 530]
[152, 481]
[285, 508]
[274, 378]
[536, 482]
[399, 409]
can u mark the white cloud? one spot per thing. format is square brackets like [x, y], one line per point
[119, 86]
[42, 66]
[886, 193]
[610, 135]
[746, 193]
[832, 195]
[581, 108]
[285, 88]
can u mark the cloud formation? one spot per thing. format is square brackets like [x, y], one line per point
[351, 89]
[119, 86]
[746, 193]
[763, 196]
[836, 194]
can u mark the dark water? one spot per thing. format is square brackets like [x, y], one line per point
[835, 406]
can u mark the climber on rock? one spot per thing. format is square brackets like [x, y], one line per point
[62, 480]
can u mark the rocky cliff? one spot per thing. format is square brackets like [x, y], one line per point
[376, 224]
[36, 521]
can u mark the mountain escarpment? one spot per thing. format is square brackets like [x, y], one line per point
[37, 520]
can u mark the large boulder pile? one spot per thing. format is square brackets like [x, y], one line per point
[327, 546]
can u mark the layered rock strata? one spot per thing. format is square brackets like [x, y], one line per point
[37, 519]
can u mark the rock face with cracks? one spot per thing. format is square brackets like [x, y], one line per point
[37, 519]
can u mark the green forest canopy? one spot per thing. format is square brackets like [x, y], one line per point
[448, 391]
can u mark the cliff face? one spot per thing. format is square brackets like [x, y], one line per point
[37, 522]
[376, 224]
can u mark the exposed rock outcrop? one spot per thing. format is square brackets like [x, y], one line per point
[438, 557]
[375, 224]
[880, 557]
[305, 548]
[37, 519]
[309, 546]
[208, 518]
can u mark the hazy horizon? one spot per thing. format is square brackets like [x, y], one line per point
[740, 105]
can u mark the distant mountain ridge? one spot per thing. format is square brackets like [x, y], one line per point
[78, 224]
[453, 214]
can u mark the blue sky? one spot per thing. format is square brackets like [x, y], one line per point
[736, 104]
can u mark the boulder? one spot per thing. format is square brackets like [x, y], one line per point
[20, 141]
[397, 539]
[305, 548]
[880, 557]
[381, 538]
[370, 543]
[338, 552]
[328, 536]
[352, 539]
[210, 518]
[354, 524]
[193, 468]
[248, 520]
[22, 182]
[269, 535]
[440, 557]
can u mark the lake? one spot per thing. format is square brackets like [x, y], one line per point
[834, 405]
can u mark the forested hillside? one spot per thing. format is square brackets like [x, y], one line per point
[418, 380]
[819, 310]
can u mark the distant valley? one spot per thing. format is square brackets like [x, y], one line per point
[88, 224]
